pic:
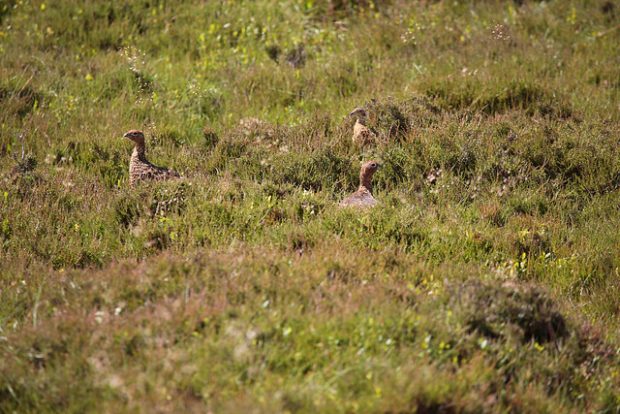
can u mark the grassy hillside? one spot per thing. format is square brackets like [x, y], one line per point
[487, 281]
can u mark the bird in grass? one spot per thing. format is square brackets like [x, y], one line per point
[140, 169]
[362, 135]
[363, 198]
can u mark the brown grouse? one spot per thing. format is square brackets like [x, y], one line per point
[140, 169]
[363, 198]
[362, 135]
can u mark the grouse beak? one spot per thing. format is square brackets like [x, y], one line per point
[126, 135]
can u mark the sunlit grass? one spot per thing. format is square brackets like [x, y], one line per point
[486, 282]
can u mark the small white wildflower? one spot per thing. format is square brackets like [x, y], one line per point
[99, 315]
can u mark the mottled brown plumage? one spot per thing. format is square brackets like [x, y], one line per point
[362, 135]
[363, 197]
[140, 169]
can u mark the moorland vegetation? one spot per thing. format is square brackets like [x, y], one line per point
[487, 280]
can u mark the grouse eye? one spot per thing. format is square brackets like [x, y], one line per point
[373, 165]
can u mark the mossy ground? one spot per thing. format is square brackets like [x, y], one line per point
[487, 282]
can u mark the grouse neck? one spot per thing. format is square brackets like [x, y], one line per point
[365, 182]
[140, 151]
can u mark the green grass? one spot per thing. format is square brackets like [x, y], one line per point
[492, 287]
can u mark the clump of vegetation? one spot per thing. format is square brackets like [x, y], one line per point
[388, 119]
[474, 96]
[486, 281]
[510, 310]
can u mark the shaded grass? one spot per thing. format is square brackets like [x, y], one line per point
[487, 282]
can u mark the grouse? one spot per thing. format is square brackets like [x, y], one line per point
[362, 135]
[363, 198]
[140, 169]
